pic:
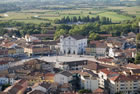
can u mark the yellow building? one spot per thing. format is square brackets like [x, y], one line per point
[35, 50]
[11, 51]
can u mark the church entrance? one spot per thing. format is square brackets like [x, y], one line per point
[69, 52]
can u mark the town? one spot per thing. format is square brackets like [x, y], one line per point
[69, 65]
[69, 46]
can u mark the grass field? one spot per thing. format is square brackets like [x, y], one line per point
[130, 10]
[26, 15]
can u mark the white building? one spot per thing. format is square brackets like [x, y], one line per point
[89, 81]
[29, 38]
[114, 52]
[72, 65]
[5, 80]
[103, 77]
[63, 77]
[97, 48]
[75, 44]
[44, 87]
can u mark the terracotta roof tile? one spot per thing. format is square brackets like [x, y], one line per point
[108, 71]
[127, 78]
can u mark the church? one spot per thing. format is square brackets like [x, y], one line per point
[73, 44]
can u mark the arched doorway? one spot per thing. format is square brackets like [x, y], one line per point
[69, 52]
[73, 52]
[64, 51]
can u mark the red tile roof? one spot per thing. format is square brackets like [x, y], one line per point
[8, 44]
[132, 66]
[3, 62]
[93, 66]
[125, 78]
[99, 91]
[105, 35]
[106, 60]
[107, 71]
[99, 44]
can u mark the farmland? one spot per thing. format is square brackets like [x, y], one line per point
[46, 15]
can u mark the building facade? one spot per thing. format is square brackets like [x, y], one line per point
[63, 77]
[124, 84]
[73, 44]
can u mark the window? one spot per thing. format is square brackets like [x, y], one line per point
[134, 84]
[102, 76]
[135, 87]
[135, 81]
[121, 88]
[122, 84]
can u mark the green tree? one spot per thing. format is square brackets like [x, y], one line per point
[59, 33]
[5, 86]
[138, 37]
[79, 19]
[94, 36]
[67, 19]
[75, 30]
[74, 19]
[83, 91]
[137, 59]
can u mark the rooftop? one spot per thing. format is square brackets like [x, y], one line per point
[77, 37]
[36, 92]
[66, 73]
[124, 78]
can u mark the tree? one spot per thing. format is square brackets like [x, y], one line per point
[97, 18]
[44, 31]
[59, 33]
[138, 37]
[83, 91]
[90, 12]
[64, 26]
[79, 19]
[63, 20]
[57, 21]
[119, 93]
[74, 19]
[137, 59]
[5, 86]
[94, 36]
[76, 30]
[3, 31]
[88, 18]
[92, 19]
[103, 20]
[67, 19]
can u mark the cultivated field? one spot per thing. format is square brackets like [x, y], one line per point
[130, 10]
[39, 16]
